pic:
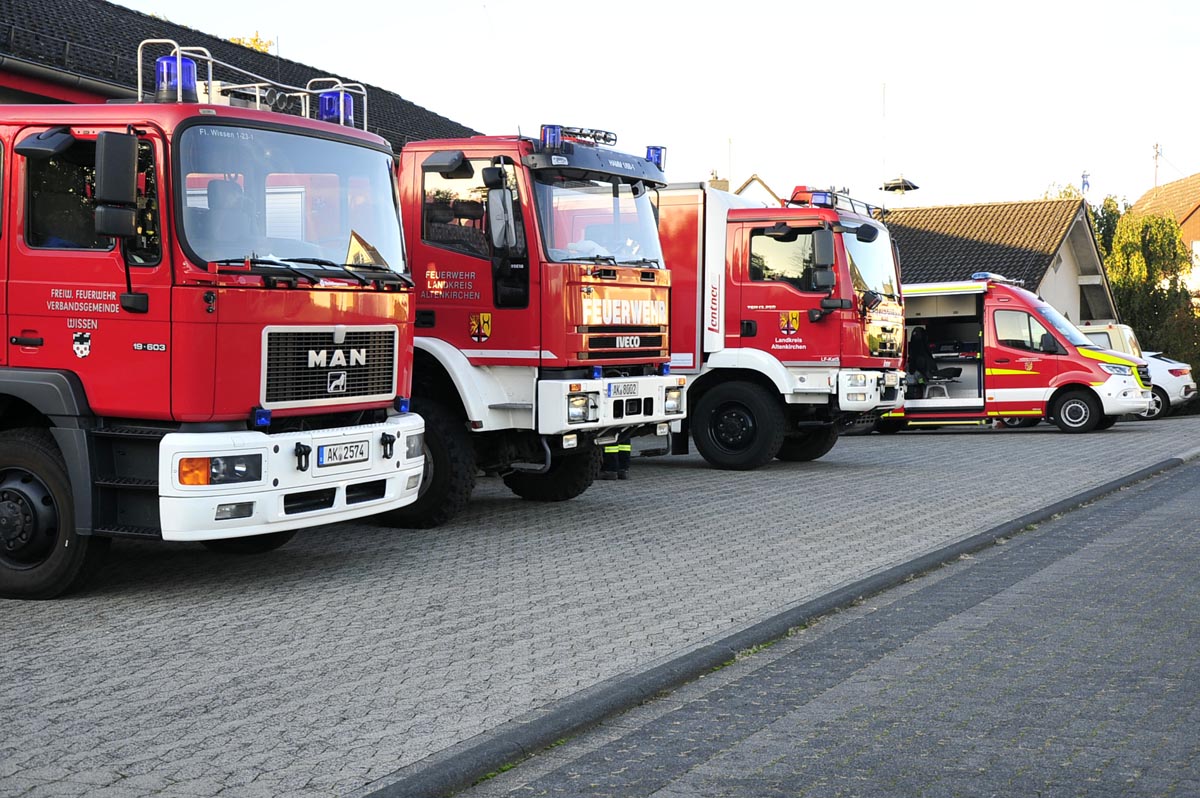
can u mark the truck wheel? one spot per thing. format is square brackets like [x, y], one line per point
[1159, 407]
[252, 544]
[889, 426]
[1107, 421]
[1077, 411]
[449, 477]
[569, 476]
[738, 426]
[809, 445]
[41, 556]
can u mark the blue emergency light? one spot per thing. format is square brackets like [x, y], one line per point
[552, 136]
[657, 156]
[822, 198]
[402, 404]
[337, 107]
[262, 417]
[174, 79]
[597, 372]
[665, 369]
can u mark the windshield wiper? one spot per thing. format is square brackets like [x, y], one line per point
[256, 261]
[352, 269]
[328, 264]
[608, 259]
[643, 262]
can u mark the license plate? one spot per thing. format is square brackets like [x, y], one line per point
[336, 454]
[890, 379]
[623, 389]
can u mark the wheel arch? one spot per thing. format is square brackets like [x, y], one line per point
[701, 385]
[1066, 388]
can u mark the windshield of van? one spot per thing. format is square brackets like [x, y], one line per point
[287, 200]
[872, 267]
[582, 219]
[1064, 326]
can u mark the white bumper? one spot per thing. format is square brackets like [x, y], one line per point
[1122, 395]
[1182, 393]
[619, 402]
[287, 497]
[860, 391]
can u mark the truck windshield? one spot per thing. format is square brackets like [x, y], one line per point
[872, 267]
[582, 220]
[1064, 326]
[286, 199]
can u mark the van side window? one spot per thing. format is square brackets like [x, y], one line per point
[787, 259]
[455, 211]
[1019, 330]
[61, 213]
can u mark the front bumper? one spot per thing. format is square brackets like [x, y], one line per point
[287, 496]
[861, 391]
[1122, 395]
[611, 402]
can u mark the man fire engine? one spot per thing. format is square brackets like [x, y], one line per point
[542, 310]
[788, 320]
[208, 322]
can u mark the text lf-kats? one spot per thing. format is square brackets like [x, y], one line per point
[542, 310]
[786, 320]
[985, 349]
[208, 317]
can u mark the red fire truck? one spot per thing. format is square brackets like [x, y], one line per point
[542, 311]
[986, 349]
[208, 323]
[786, 319]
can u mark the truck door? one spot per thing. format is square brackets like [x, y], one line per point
[469, 294]
[769, 305]
[65, 282]
[1019, 374]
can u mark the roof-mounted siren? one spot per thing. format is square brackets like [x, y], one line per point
[335, 100]
[560, 138]
[992, 277]
[657, 156]
[175, 79]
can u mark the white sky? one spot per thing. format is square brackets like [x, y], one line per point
[973, 101]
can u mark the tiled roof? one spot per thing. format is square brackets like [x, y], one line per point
[1179, 199]
[1016, 239]
[97, 40]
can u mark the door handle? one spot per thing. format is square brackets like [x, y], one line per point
[21, 340]
[749, 329]
[1001, 360]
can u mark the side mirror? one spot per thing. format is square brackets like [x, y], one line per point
[1049, 344]
[867, 233]
[501, 224]
[822, 240]
[493, 177]
[116, 168]
[823, 278]
[116, 222]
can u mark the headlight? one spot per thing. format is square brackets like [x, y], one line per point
[577, 408]
[856, 381]
[414, 446]
[225, 470]
[1120, 371]
[673, 400]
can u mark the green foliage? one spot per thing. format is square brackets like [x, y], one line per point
[1147, 250]
[1104, 223]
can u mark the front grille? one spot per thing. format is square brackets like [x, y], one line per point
[307, 367]
[1144, 374]
[603, 341]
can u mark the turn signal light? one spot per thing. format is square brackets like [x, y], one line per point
[194, 471]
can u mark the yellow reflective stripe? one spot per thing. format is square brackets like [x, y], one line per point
[1104, 357]
[1002, 372]
[1014, 412]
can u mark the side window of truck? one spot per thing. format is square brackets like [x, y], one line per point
[145, 248]
[454, 215]
[787, 258]
[1019, 330]
[61, 210]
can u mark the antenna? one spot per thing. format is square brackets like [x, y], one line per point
[1157, 155]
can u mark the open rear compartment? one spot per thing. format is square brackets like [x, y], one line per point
[950, 329]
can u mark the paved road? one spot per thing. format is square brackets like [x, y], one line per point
[1064, 662]
[357, 651]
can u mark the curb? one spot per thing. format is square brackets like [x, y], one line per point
[461, 765]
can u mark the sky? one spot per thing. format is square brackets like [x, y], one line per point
[974, 102]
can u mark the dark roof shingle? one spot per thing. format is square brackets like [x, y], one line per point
[99, 40]
[1015, 239]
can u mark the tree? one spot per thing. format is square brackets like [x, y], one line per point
[254, 42]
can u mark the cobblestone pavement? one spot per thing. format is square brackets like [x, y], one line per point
[1062, 663]
[357, 650]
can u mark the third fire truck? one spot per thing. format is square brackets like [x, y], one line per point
[542, 310]
[787, 320]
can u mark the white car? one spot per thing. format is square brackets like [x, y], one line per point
[1173, 384]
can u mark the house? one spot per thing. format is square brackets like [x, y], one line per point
[86, 51]
[1180, 201]
[1047, 244]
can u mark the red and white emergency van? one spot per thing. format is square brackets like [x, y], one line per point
[786, 319]
[542, 310]
[986, 349]
[208, 321]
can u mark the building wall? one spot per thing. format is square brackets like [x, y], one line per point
[1060, 286]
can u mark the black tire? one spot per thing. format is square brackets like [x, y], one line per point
[1020, 422]
[738, 426]
[1160, 407]
[890, 426]
[254, 544]
[1106, 422]
[41, 555]
[808, 446]
[1077, 411]
[569, 476]
[449, 477]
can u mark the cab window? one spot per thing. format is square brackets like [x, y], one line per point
[1019, 330]
[788, 258]
[61, 193]
[454, 215]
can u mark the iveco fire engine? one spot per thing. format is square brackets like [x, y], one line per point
[208, 321]
[787, 319]
[542, 310]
